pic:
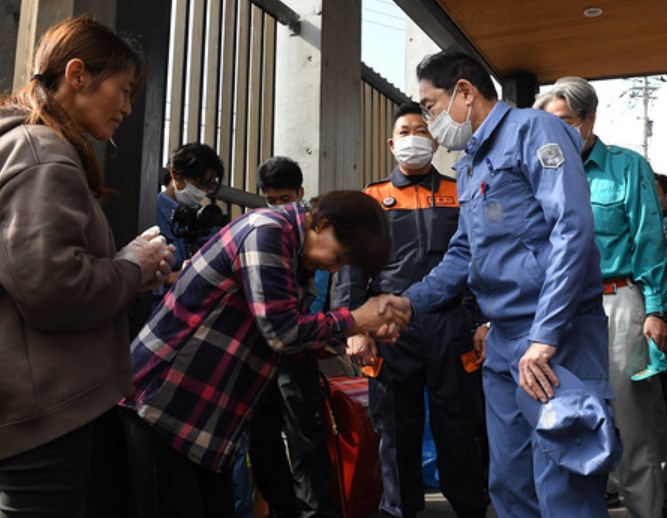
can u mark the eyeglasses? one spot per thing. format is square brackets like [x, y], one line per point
[205, 185]
[426, 113]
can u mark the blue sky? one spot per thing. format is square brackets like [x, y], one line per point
[383, 39]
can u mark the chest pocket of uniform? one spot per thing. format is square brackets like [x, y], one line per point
[502, 201]
[464, 194]
[608, 211]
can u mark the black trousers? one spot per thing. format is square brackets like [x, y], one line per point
[50, 480]
[294, 404]
[428, 355]
[166, 484]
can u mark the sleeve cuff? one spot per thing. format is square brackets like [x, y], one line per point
[341, 320]
[654, 303]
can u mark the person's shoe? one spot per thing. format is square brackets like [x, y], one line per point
[613, 500]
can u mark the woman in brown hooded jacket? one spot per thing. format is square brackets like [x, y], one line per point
[64, 289]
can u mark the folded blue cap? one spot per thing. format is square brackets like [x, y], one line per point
[657, 363]
[575, 428]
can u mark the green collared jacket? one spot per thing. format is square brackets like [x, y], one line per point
[628, 220]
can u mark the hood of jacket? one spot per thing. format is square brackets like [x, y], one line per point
[10, 118]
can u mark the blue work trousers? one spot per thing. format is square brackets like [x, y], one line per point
[523, 481]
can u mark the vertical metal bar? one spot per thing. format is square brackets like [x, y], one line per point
[268, 90]
[255, 98]
[180, 23]
[389, 130]
[382, 114]
[363, 167]
[375, 131]
[196, 38]
[211, 76]
[368, 135]
[227, 68]
[237, 175]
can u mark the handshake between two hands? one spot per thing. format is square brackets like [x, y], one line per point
[381, 318]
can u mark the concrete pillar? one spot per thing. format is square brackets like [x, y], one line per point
[318, 93]
[417, 46]
[519, 90]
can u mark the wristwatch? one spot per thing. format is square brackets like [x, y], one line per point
[662, 315]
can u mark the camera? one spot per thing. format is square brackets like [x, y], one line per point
[193, 224]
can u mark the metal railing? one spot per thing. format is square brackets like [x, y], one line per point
[221, 88]
[379, 100]
[221, 83]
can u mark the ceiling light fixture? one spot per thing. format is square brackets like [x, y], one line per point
[592, 12]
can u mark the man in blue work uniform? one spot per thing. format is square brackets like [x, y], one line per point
[436, 351]
[525, 246]
[628, 233]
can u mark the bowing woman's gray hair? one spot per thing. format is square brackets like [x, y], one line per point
[578, 93]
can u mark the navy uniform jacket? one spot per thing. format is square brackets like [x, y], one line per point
[525, 241]
[422, 220]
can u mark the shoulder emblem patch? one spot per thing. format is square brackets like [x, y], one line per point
[389, 201]
[551, 156]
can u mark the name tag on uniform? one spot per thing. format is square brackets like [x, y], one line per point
[442, 201]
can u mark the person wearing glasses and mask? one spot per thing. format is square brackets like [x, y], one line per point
[525, 246]
[422, 211]
[629, 235]
[194, 171]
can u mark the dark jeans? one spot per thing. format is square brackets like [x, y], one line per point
[294, 404]
[50, 480]
[166, 484]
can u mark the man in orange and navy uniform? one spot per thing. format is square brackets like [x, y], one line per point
[435, 352]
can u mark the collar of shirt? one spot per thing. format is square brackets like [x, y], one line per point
[488, 126]
[431, 180]
[598, 154]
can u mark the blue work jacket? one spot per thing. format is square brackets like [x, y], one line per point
[525, 238]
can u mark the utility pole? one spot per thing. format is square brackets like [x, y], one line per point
[648, 123]
[643, 89]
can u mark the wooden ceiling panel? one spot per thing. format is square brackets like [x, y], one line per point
[553, 38]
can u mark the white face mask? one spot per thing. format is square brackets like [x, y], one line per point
[413, 152]
[447, 132]
[274, 207]
[191, 196]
